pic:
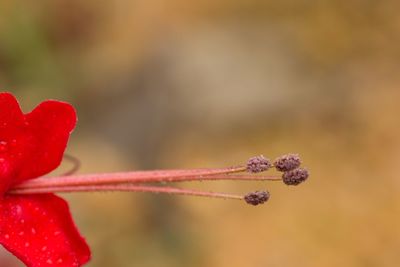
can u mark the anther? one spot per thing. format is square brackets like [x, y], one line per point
[295, 177]
[257, 197]
[258, 164]
[287, 162]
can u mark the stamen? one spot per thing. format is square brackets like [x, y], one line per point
[295, 177]
[138, 181]
[287, 162]
[131, 177]
[257, 197]
[258, 164]
[121, 178]
[126, 188]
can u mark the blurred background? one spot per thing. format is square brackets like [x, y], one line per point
[188, 84]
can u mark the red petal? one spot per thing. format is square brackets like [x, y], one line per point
[32, 145]
[50, 124]
[39, 230]
[10, 112]
[11, 118]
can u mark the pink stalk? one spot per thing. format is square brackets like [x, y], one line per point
[130, 177]
[143, 177]
[126, 188]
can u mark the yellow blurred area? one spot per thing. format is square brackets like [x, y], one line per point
[188, 84]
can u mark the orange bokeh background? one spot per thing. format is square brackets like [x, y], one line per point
[182, 84]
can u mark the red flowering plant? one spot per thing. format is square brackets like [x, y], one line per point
[36, 225]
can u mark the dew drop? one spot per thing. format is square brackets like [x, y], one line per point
[49, 261]
[13, 142]
[33, 230]
[44, 248]
[21, 233]
[16, 210]
[3, 146]
[6, 236]
[26, 244]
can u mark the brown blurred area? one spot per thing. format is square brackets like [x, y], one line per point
[181, 84]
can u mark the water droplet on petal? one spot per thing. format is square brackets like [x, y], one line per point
[13, 142]
[3, 146]
[17, 211]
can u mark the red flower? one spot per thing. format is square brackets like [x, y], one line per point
[36, 225]
[37, 228]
